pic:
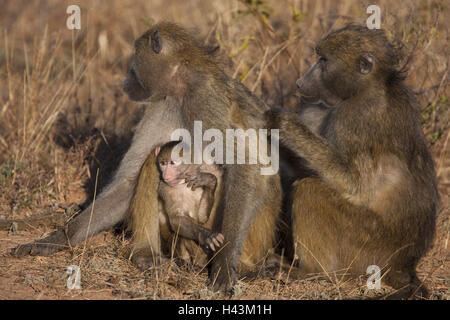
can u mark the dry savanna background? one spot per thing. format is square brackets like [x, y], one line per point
[64, 117]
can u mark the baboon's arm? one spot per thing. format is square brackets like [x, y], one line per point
[320, 155]
[239, 203]
[186, 228]
[206, 203]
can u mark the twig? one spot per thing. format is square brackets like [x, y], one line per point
[275, 35]
[90, 218]
[424, 90]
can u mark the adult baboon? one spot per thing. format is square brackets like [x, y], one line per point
[375, 198]
[181, 81]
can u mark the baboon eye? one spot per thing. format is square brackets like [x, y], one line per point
[156, 41]
[322, 59]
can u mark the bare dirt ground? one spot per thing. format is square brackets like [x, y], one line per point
[63, 116]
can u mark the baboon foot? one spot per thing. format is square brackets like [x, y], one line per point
[411, 292]
[222, 280]
[407, 286]
[145, 259]
[294, 269]
[44, 247]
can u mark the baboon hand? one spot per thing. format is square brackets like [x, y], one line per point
[201, 179]
[222, 280]
[34, 249]
[214, 241]
[223, 275]
[272, 117]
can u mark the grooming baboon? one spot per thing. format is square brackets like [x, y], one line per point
[374, 199]
[187, 193]
[182, 81]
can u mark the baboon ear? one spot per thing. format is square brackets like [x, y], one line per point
[156, 41]
[366, 63]
[157, 150]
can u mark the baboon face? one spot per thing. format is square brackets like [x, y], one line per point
[312, 85]
[330, 79]
[149, 68]
[133, 88]
[171, 169]
[350, 60]
[167, 60]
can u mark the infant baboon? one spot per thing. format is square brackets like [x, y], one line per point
[187, 192]
[374, 201]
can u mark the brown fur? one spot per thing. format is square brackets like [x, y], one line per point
[255, 249]
[375, 198]
[249, 203]
[180, 81]
[185, 214]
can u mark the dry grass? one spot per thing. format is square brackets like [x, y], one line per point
[63, 115]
